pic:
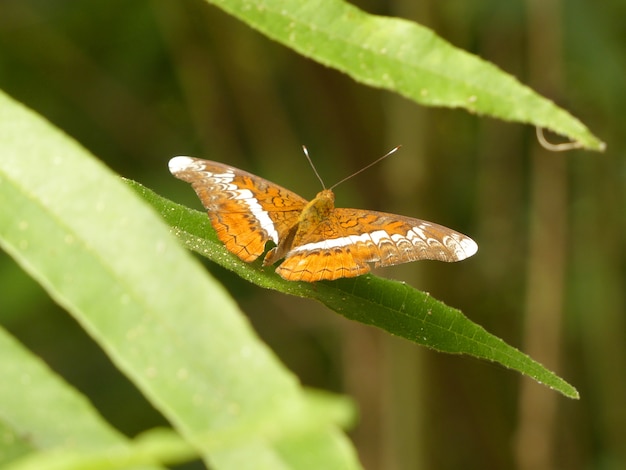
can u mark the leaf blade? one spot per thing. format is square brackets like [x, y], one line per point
[110, 261]
[35, 404]
[393, 306]
[404, 57]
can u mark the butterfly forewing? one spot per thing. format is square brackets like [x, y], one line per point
[344, 245]
[245, 210]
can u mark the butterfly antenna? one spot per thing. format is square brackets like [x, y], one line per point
[306, 153]
[393, 150]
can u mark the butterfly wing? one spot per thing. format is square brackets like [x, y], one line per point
[245, 210]
[344, 244]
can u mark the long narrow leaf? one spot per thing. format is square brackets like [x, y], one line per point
[106, 257]
[45, 413]
[404, 57]
[390, 305]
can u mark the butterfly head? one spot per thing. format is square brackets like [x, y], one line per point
[327, 196]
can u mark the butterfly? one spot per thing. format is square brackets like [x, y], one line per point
[315, 240]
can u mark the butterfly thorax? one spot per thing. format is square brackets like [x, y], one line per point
[317, 210]
[313, 214]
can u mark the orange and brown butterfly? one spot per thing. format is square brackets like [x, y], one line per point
[315, 240]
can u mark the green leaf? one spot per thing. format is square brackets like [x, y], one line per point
[12, 445]
[404, 57]
[106, 257]
[390, 305]
[165, 446]
[43, 413]
[161, 445]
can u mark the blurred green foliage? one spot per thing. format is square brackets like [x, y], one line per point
[138, 82]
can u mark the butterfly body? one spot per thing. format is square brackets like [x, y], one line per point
[315, 240]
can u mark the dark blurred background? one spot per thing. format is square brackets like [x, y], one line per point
[138, 82]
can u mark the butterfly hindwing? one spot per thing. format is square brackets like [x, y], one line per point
[245, 210]
[344, 244]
